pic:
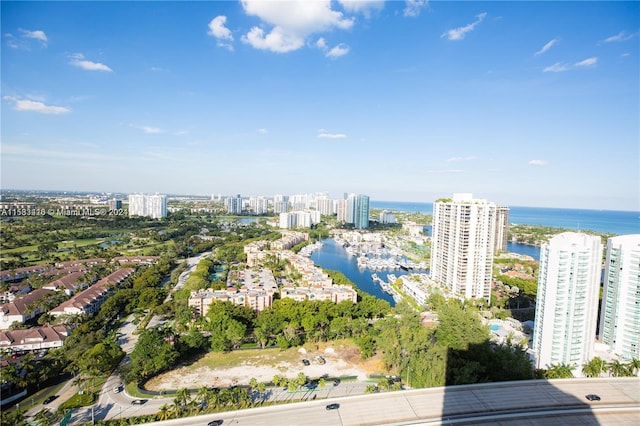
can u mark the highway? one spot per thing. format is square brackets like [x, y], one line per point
[537, 402]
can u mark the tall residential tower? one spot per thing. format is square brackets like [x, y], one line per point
[567, 300]
[462, 245]
[620, 311]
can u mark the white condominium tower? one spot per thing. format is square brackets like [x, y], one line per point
[620, 312]
[462, 245]
[567, 300]
[153, 206]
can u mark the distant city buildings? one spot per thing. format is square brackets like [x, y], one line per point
[258, 205]
[502, 229]
[387, 217]
[462, 245]
[234, 204]
[567, 300]
[620, 309]
[115, 204]
[299, 219]
[361, 212]
[153, 206]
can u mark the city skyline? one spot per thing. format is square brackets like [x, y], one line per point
[403, 101]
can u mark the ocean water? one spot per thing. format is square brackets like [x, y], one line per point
[606, 221]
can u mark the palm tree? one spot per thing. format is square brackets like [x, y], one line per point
[262, 387]
[559, 371]
[203, 396]
[594, 368]
[164, 413]
[43, 417]
[617, 369]
[182, 399]
[634, 366]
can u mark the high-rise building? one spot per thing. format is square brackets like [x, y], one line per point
[341, 210]
[620, 309]
[156, 206]
[153, 206]
[462, 245]
[387, 217]
[280, 203]
[361, 212]
[502, 229]
[567, 300]
[325, 206]
[258, 205]
[115, 204]
[234, 204]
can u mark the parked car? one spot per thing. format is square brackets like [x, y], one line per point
[49, 399]
[138, 401]
[306, 362]
[333, 406]
[592, 397]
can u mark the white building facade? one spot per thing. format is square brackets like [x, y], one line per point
[462, 245]
[567, 300]
[153, 206]
[620, 310]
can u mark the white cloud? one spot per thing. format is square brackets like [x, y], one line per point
[148, 129]
[557, 67]
[31, 152]
[292, 22]
[621, 36]
[222, 34]
[366, 7]
[538, 162]
[36, 106]
[263, 131]
[457, 159]
[37, 34]
[321, 43]
[461, 32]
[218, 30]
[77, 59]
[445, 171]
[414, 7]
[589, 62]
[546, 47]
[334, 52]
[324, 135]
[276, 41]
[339, 50]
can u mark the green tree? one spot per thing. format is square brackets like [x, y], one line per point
[594, 368]
[617, 369]
[559, 371]
[164, 413]
[101, 359]
[152, 354]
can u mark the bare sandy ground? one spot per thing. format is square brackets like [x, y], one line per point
[339, 362]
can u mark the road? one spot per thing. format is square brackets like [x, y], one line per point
[507, 403]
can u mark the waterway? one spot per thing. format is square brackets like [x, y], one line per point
[333, 256]
[532, 251]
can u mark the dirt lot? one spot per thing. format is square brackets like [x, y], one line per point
[239, 367]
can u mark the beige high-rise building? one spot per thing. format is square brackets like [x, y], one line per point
[462, 245]
[502, 229]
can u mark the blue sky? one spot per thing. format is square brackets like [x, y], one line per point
[521, 103]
